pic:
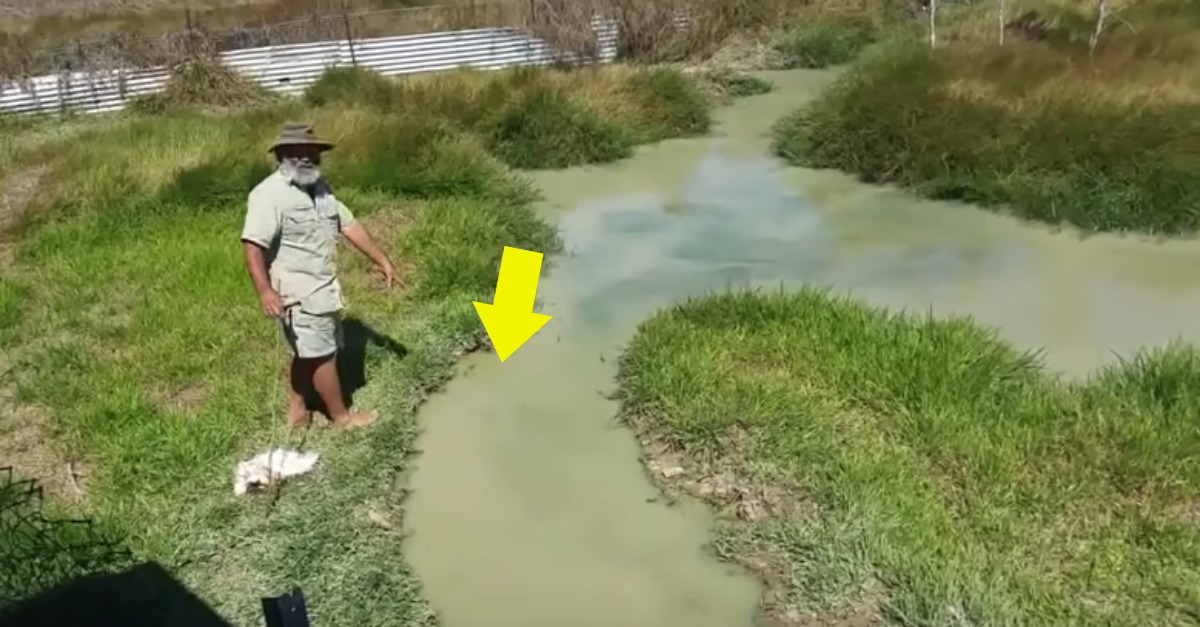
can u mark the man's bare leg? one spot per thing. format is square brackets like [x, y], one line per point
[329, 387]
[300, 379]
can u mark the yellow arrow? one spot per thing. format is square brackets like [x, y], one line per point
[510, 320]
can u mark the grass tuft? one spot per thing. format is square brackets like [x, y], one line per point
[351, 85]
[531, 119]
[673, 104]
[12, 301]
[421, 157]
[545, 129]
[725, 83]
[822, 42]
[743, 86]
[922, 469]
[1043, 129]
[201, 83]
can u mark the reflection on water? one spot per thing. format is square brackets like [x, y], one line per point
[529, 506]
[749, 221]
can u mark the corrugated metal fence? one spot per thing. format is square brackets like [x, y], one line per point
[291, 68]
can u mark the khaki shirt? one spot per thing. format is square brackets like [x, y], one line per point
[300, 235]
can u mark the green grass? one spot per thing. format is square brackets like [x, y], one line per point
[351, 85]
[140, 336]
[743, 86]
[824, 41]
[533, 120]
[40, 547]
[545, 129]
[1046, 131]
[12, 298]
[674, 105]
[949, 479]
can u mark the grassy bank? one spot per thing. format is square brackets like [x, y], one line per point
[1045, 129]
[923, 470]
[821, 40]
[139, 347]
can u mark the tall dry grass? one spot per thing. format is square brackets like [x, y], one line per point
[126, 38]
[79, 18]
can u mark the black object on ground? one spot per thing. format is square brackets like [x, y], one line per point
[287, 610]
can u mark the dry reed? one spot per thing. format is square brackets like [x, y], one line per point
[646, 31]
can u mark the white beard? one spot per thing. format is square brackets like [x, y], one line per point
[304, 176]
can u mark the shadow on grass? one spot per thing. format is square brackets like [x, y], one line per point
[74, 573]
[142, 596]
[357, 336]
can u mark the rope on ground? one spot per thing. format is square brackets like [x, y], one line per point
[282, 434]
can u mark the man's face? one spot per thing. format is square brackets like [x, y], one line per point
[301, 163]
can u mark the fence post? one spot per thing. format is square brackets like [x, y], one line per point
[122, 88]
[349, 35]
[89, 71]
[64, 85]
[37, 98]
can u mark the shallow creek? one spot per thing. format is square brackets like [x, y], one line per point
[529, 505]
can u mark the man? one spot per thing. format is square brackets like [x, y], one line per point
[290, 234]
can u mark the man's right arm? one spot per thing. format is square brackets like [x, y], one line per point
[258, 233]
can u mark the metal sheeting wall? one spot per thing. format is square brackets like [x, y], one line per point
[291, 68]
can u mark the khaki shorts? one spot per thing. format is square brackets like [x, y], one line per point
[311, 336]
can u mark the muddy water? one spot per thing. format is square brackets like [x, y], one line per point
[530, 508]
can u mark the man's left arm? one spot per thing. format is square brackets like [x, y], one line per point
[357, 235]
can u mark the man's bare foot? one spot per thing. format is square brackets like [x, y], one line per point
[299, 419]
[355, 419]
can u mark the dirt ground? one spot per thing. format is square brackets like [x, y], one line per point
[29, 445]
[741, 501]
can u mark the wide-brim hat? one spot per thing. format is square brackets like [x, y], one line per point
[299, 134]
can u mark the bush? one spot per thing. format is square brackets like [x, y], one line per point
[201, 83]
[352, 86]
[744, 85]
[468, 98]
[545, 129]
[405, 155]
[457, 243]
[1098, 161]
[528, 117]
[824, 42]
[730, 84]
[670, 104]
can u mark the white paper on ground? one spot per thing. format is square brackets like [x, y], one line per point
[270, 467]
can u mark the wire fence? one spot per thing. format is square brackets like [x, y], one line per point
[292, 67]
